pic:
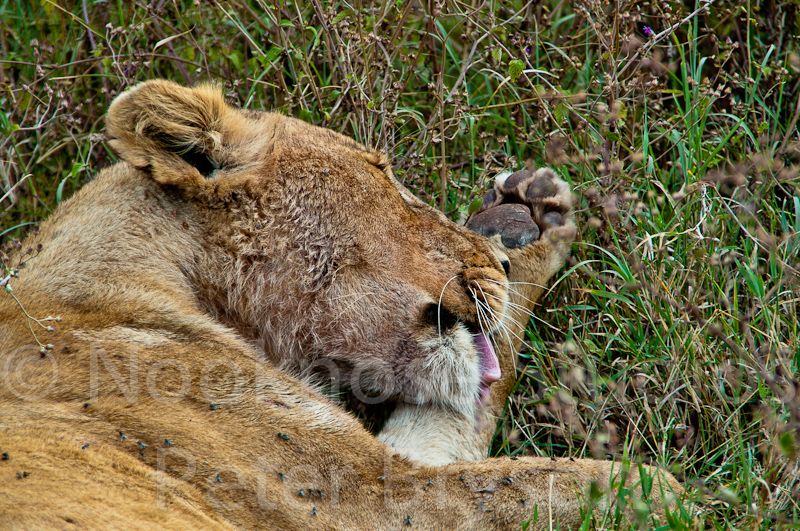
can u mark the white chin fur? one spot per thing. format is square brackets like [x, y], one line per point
[452, 376]
[433, 435]
[442, 427]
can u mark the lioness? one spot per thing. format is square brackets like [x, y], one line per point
[198, 282]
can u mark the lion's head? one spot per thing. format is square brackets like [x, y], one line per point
[316, 252]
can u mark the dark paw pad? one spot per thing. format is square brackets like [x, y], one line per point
[541, 188]
[512, 221]
[522, 207]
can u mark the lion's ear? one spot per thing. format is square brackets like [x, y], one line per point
[177, 134]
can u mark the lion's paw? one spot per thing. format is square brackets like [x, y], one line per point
[525, 207]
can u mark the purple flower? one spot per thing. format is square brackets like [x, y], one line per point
[648, 32]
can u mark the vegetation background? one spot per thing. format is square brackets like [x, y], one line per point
[671, 339]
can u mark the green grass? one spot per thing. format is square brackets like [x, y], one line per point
[672, 338]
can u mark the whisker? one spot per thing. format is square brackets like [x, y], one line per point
[510, 334]
[502, 327]
[481, 319]
[506, 317]
[516, 308]
[544, 322]
[519, 323]
[525, 284]
[481, 313]
[485, 313]
[513, 305]
[483, 307]
[517, 293]
[439, 306]
[509, 284]
[491, 312]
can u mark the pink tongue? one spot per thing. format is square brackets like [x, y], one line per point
[487, 359]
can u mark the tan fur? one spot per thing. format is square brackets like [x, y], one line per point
[231, 252]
